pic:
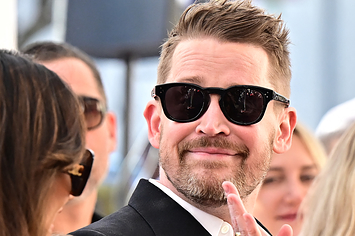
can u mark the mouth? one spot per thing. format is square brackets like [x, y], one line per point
[287, 217]
[212, 154]
[213, 151]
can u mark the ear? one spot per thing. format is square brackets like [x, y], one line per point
[112, 130]
[283, 137]
[152, 116]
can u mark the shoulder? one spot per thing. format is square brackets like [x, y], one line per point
[125, 222]
[96, 217]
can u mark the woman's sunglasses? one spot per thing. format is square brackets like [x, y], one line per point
[94, 111]
[80, 173]
[241, 104]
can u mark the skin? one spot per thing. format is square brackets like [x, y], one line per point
[59, 195]
[102, 140]
[210, 63]
[284, 187]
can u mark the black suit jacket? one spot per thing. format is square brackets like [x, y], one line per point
[150, 212]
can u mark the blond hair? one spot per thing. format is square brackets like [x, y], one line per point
[329, 208]
[312, 144]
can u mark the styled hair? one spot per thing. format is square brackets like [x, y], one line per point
[50, 51]
[233, 21]
[312, 144]
[329, 207]
[41, 134]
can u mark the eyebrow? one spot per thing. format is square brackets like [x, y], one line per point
[192, 80]
[307, 167]
[198, 80]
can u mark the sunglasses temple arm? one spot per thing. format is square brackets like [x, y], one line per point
[152, 93]
[281, 98]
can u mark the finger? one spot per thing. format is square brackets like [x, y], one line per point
[252, 227]
[285, 230]
[236, 208]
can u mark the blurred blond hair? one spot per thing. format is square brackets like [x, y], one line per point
[329, 207]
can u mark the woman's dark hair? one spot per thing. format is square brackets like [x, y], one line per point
[41, 133]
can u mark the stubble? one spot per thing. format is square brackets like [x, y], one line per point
[205, 188]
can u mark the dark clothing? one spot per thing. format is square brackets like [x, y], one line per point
[262, 226]
[96, 217]
[150, 212]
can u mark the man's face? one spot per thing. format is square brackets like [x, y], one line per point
[101, 140]
[198, 156]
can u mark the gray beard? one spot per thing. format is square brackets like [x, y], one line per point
[207, 190]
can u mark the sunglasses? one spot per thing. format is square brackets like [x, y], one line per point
[94, 111]
[80, 173]
[241, 104]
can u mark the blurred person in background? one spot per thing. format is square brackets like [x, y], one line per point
[288, 180]
[79, 71]
[42, 146]
[329, 207]
[334, 123]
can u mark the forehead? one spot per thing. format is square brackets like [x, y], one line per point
[212, 63]
[77, 75]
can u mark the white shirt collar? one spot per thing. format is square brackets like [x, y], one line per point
[214, 225]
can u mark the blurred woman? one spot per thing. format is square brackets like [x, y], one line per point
[42, 146]
[329, 208]
[288, 180]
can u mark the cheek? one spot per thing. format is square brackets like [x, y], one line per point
[98, 141]
[257, 138]
[63, 188]
[264, 208]
[269, 197]
[171, 134]
[174, 132]
[305, 188]
[267, 206]
[58, 195]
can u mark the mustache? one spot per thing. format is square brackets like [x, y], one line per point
[217, 142]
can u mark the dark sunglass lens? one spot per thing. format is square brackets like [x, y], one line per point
[76, 186]
[184, 103]
[79, 182]
[243, 106]
[93, 116]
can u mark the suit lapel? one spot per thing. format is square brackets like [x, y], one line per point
[163, 214]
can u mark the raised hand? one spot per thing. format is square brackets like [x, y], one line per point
[243, 223]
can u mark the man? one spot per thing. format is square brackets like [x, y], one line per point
[81, 74]
[216, 121]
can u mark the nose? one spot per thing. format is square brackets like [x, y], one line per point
[296, 191]
[213, 122]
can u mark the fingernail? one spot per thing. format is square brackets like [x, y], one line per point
[226, 189]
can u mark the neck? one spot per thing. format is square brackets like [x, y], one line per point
[221, 212]
[75, 214]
